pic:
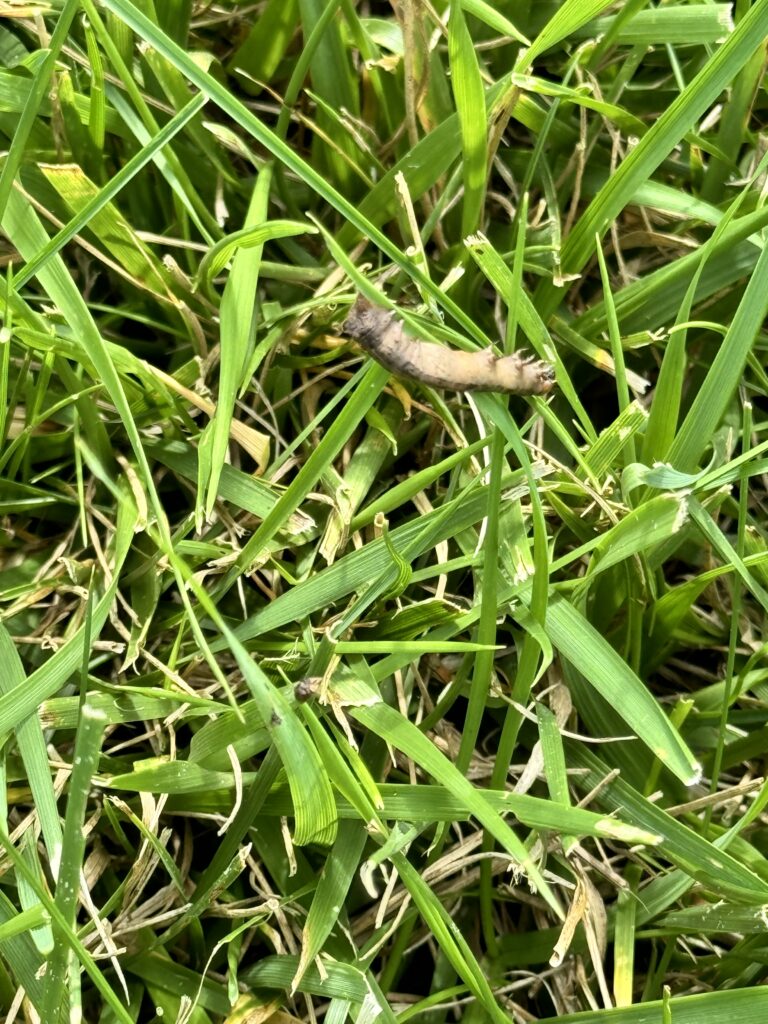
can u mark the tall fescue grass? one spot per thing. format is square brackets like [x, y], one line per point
[325, 695]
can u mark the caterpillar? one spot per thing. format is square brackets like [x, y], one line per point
[384, 338]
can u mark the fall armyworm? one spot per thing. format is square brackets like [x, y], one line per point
[383, 336]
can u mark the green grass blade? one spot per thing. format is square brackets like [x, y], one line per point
[469, 96]
[722, 378]
[85, 760]
[583, 646]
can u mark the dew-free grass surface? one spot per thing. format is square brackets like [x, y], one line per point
[325, 695]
